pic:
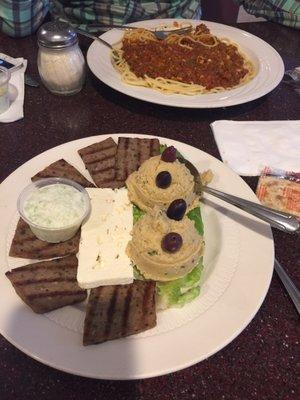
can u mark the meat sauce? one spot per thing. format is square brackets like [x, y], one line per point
[218, 66]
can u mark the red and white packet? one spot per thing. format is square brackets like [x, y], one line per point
[280, 190]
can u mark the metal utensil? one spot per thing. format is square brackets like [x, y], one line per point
[29, 81]
[288, 284]
[159, 33]
[292, 77]
[277, 219]
[91, 36]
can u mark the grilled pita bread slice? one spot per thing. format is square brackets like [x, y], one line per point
[26, 245]
[131, 153]
[48, 285]
[62, 169]
[119, 311]
[100, 160]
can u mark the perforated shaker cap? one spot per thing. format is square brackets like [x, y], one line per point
[56, 34]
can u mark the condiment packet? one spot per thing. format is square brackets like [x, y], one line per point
[280, 190]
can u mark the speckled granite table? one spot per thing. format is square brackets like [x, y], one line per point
[262, 362]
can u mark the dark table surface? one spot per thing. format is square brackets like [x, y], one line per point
[261, 363]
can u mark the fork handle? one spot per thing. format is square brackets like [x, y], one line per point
[125, 27]
[112, 26]
[288, 284]
[277, 219]
[91, 36]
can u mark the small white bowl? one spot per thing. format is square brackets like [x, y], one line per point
[49, 234]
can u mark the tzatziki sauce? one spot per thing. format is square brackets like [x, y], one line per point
[55, 206]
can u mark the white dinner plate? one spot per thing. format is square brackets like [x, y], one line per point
[269, 65]
[238, 262]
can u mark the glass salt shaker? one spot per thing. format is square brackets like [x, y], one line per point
[61, 63]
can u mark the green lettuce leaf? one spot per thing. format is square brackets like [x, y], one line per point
[162, 148]
[137, 274]
[195, 215]
[181, 291]
[137, 213]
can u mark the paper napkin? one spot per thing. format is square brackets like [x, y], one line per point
[16, 91]
[249, 146]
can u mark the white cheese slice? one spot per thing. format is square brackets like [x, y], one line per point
[102, 258]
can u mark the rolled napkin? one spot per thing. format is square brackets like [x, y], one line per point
[246, 147]
[16, 94]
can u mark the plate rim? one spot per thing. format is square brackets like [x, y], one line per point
[229, 102]
[176, 367]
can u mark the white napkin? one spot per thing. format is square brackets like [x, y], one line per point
[247, 147]
[16, 92]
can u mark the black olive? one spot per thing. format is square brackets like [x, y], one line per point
[171, 242]
[177, 209]
[163, 179]
[169, 154]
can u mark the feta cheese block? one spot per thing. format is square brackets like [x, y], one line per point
[102, 258]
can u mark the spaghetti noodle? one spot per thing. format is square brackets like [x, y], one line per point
[190, 64]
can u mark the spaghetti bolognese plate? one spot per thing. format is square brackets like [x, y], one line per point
[267, 68]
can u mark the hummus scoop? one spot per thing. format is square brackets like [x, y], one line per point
[146, 251]
[146, 194]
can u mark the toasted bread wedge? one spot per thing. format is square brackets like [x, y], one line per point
[131, 153]
[62, 169]
[26, 245]
[48, 285]
[119, 311]
[100, 160]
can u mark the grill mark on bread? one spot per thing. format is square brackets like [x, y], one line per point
[54, 294]
[44, 245]
[46, 280]
[126, 146]
[101, 164]
[93, 151]
[62, 169]
[95, 147]
[36, 266]
[102, 170]
[148, 298]
[151, 148]
[91, 303]
[110, 312]
[126, 310]
[126, 143]
[102, 158]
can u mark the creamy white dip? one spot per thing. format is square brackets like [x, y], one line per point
[55, 206]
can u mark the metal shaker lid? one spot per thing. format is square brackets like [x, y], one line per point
[56, 34]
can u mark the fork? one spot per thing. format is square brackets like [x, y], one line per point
[159, 33]
[277, 219]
